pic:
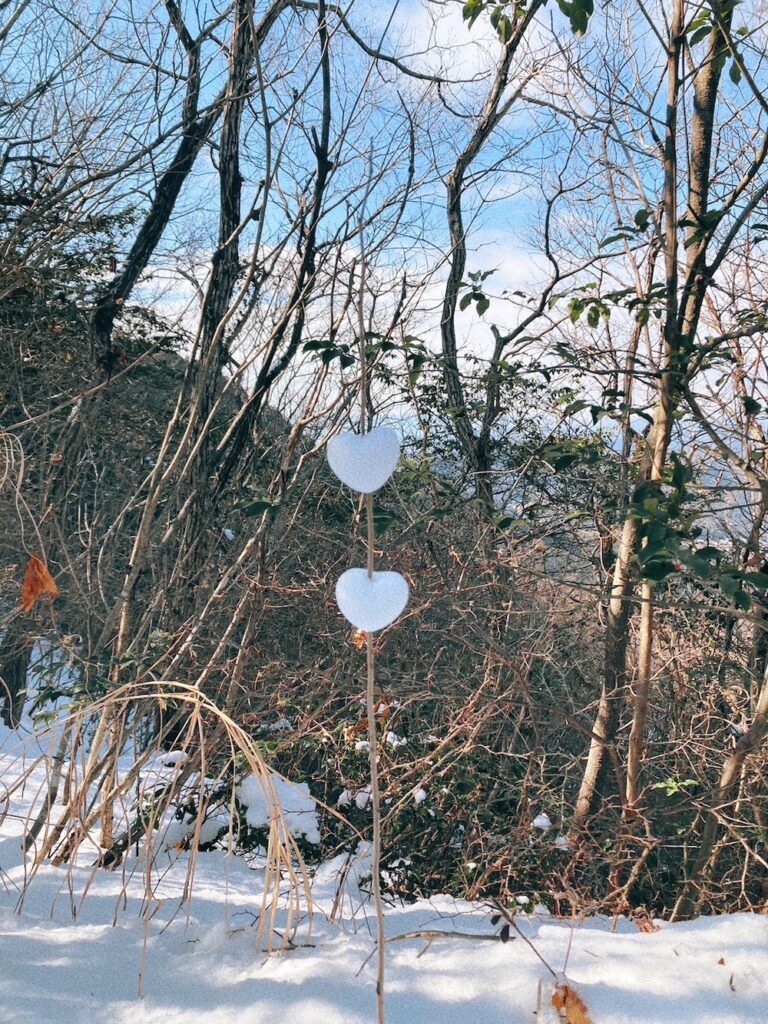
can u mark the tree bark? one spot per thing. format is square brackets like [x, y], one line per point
[15, 654]
[614, 675]
[475, 449]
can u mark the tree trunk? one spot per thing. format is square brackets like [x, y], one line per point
[15, 653]
[475, 450]
[614, 675]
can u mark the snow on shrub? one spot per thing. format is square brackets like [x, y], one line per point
[293, 800]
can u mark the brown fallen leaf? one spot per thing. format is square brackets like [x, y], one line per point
[37, 581]
[359, 639]
[569, 1004]
[642, 919]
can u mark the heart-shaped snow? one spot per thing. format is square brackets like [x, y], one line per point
[371, 602]
[364, 462]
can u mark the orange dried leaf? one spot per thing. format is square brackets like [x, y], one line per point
[37, 581]
[569, 1004]
[359, 639]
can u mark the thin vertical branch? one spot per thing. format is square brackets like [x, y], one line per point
[370, 699]
[376, 811]
[364, 418]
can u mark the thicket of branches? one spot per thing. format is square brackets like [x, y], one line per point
[563, 217]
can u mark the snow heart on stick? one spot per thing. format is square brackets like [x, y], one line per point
[371, 602]
[364, 462]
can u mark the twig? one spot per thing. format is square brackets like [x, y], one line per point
[509, 918]
[370, 656]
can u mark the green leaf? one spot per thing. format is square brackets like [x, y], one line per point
[578, 12]
[506, 522]
[742, 600]
[504, 28]
[655, 549]
[734, 72]
[709, 552]
[578, 514]
[751, 407]
[611, 239]
[327, 351]
[729, 585]
[699, 566]
[699, 34]
[576, 406]
[383, 519]
[472, 10]
[702, 18]
[672, 786]
[681, 473]
[658, 570]
[254, 506]
[757, 579]
[718, 63]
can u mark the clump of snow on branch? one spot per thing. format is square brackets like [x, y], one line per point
[289, 801]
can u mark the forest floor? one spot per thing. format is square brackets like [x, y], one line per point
[80, 945]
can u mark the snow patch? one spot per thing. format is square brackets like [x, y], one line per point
[282, 801]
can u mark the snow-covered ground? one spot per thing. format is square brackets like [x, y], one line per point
[85, 946]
